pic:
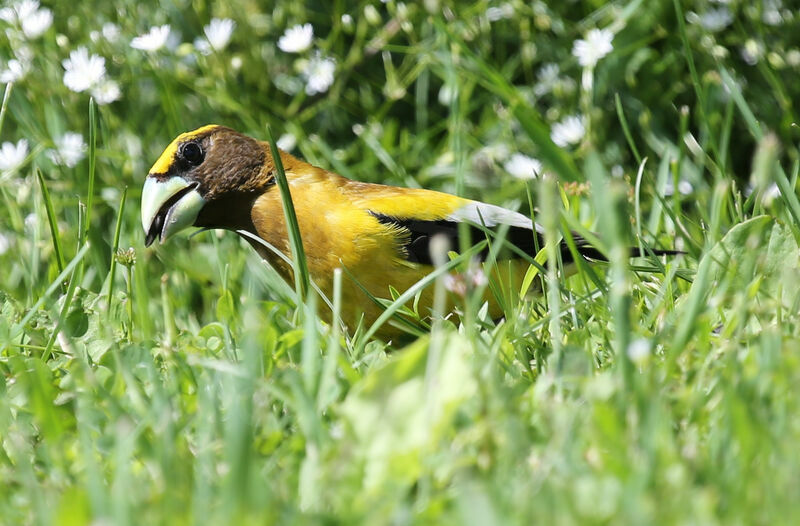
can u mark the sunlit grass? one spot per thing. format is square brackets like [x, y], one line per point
[188, 383]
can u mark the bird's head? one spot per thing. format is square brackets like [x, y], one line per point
[205, 178]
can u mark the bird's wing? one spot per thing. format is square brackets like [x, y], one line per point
[418, 215]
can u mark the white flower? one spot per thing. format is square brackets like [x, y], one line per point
[296, 39]
[549, 73]
[287, 142]
[793, 57]
[202, 46]
[639, 351]
[477, 276]
[716, 19]
[568, 131]
[36, 22]
[24, 54]
[523, 167]
[14, 71]
[110, 32]
[347, 19]
[494, 152]
[455, 283]
[70, 149]
[110, 195]
[684, 188]
[493, 14]
[462, 282]
[106, 91]
[153, 40]
[5, 243]
[548, 77]
[318, 73]
[596, 46]
[768, 194]
[752, 52]
[8, 15]
[30, 221]
[13, 155]
[771, 13]
[18, 11]
[26, 8]
[218, 32]
[446, 94]
[83, 71]
[372, 15]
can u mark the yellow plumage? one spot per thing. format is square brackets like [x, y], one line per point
[337, 231]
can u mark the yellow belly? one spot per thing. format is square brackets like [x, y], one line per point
[505, 280]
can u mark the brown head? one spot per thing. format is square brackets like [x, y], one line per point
[209, 178]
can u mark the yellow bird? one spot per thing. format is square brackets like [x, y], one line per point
[216, 177]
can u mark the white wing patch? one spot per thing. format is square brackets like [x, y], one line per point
[491, 216]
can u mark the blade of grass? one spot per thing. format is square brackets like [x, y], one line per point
[51, 220]
[549, 205]
[637, 203]
[115, 247]
[299, 264]
[310, 361]
[625, 130]
[84, 235]
[61, 316]
[725, 136]
[4, 107]
[736, 93]
[327, 384]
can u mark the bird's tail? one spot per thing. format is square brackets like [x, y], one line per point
[590, 252]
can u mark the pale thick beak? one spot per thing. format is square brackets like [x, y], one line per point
[168, 207]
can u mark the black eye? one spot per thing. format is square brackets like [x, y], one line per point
[193, 153]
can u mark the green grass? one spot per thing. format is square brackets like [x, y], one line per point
[188, 384]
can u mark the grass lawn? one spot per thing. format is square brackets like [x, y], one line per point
[188, 384]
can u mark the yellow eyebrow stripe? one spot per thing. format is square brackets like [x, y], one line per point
[163, 163]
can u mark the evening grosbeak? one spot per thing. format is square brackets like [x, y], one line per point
[216, 177]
